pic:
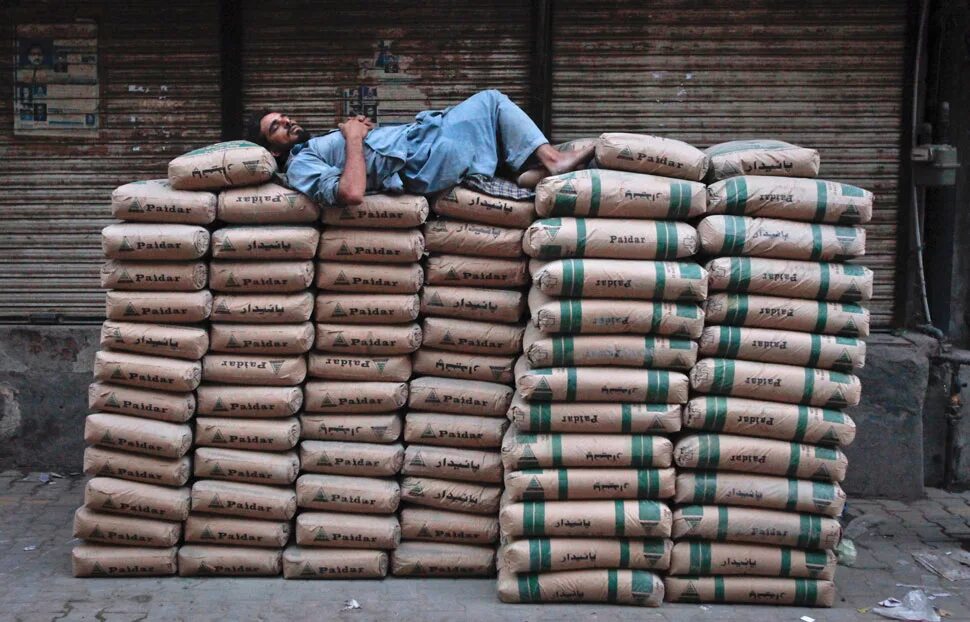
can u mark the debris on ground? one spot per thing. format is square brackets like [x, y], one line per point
[351, 604]
[943, 565]
[914, 606]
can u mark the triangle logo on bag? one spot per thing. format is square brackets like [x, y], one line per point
[227, 245]
[135, 207]
[116, 335]
[107, 438]
[97, 533]
[379, 430]
[451, 196]
[417, 490]
[124, 277]
[277, 365]
[112, 400]
[130, 310]
[435, 300]
[307, 570]
[218, 437]
[341, 279]
[447, 339]
[418, 460]
[344, 249]
[207, 534]
[220, 406]
[320, 497]
[125, 245]
[534, 490]
[206, 569]
[339, 341]
[381, 364]
[321, 535]
[323, 460]
[98, 571]
[452, 275]
[338, 311]
[251, 165]
[291, 198]
[222, 307]
[346, 214]
[216, 502]
[327, 401]
[567, 188]
[232, 342]
[109, 504]
[625, 154]
[498, 371]
[231, 280]
[217, 470]
[424, 532]
[433, 397]
[428, 432]
[528, 459]
[117, 374]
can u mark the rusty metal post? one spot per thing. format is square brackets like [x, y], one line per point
[540, 96]
[230, 62]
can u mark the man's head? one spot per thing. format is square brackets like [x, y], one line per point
[275, 131]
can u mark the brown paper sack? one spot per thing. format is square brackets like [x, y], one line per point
[366, 309]
[180, 342]
[125, 530]
[472, 337]
[815, 280]
[196, 560]
[760, 491]
[279, 242]
[94, 560]
[340, 493]
[172, 276]
[543, 350]
[262, 338]
[262, 308]
[269, 277]
[726, 558]
[470, 238]
[362, 459]
[621, 587]
[154, 242]
[454, 430]
[652, 155]
[380, 211]
[601, 193]
[760, 455]
[526, 450]
[203, 529]
[428, 559]
[596, 483]
[609, 238]
[354, 397]
[591, 316]
[154, 200]
[383, 428]
[259, 369]
[118, 496]
[365, 367]
[370, 278]
[460, 397]
[464, 366]
[134, 434]
[266, 204]
[161, 405]
[590, 519]
[368, 339]
[844, 354]
[782, 239]
[489, 305]
[255, 467]
[602, 418]
[777, 383]
[829, 318]
[738, 524]
[371, 245]
[753, 590]
[255, 434]
[602, 384]
[442, 526]
[761, 157]
[791, 198]
[347, 531]
[464, 465]
[451, 495]
[246, 500]
[164, 307]
[222, 165]
[622, 278]
[462, 271]
[137, 468]
[303, 563]
[545, 554]
[235, 401]
[464, 204]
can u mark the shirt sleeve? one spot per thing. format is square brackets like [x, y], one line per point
[314, 177]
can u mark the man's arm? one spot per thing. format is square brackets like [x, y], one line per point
[353, 179]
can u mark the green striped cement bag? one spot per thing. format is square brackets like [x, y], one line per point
[554, 238]
[619, 587]
[563, 484]
[602, 384]
[829, 318]
[544, 350]
[525, 450]
[154, 200]
[600, 193]
[761, 157]
[750, 590]
[725, 558]
[760, 455]
[577, 144]
[600, 418]
[738, 524]
[554, 554]
[782, 239]
[843, 354]
[776, 383]
[653, 155]
[760, 491]
[587, 519]
[814, 280]
[789, 422]
[791, 198]
[623, 278]
[222, 165]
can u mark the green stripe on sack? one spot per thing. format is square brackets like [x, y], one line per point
[822, 319]
[785, 570]
[528, 588]
[806, 592]
[556, 449]
[737, 195]
[572, 278]
[732, 336]
[563, 350]
[570, 384]
[595, 190]
[705, 487]
[612, 584]
[740, 278]
[734, 235]
[723, 376]
[562, 480]
[801, 426]
[626, 418]
[792, 502]
[649, 350]
[794, 458]
[821, 201]
[657, 386]
[624, 554]
[571, 316]
[815, 352]
[580, 237]
[708, 451]
[619, 518]
[534, 518]
[564, 204]
[660, 280]
[809, 531]
[540, 554]
[642, 582]
[679, 206]
[737, 309]
[648, 483]
[718, 589]
[722, 523]
[825, 279]
[809, 388]
[816, 242]
[540, 417]
[715, 413]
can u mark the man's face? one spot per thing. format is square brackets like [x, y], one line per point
[281, 132]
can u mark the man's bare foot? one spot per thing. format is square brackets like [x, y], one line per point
[559, 162]
[532, 177]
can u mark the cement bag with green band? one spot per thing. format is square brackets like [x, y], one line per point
[789, 422]
[460, 397]
[553, 554]
[776, 383]
[750, 590]
[844, 354]
[450, 495]
[619, 587]
[222, 165]
[472, 238]
[468, 303]
[154, 200]
[466, 465]
[465, 204]
[653, 155]
[725, 452]
[454, 430]
[474, 337]
[154, 242]
[813, 280]
[602, 384]
[543, 350]
[555, 238]
[371, 245]
[761, 157]
[600, 193]
[623, 278]
[462, 271]
[577, 316]
[791, 198]
[725, 558]
[597, 483]
[828, 318]
[604, 418]
[379, 211]
[760, 491]
[738, 524]
[587, 519]
[782, 239]
[524, 450]
[265, 205]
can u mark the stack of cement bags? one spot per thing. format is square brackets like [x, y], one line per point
[615, 312]
[760, 492]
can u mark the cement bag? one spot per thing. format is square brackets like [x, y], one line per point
[585, 316]
[587, 519]
[262, 308]
[204, 529]
[118, 496]
[354, 397]
[577, 144]
[793, 279]
[304, 563]
[254, 434]
[606, 418]
[368, 339]
[180, 342]
[135, 467]
[429, 559]
[266, 204]
[466, 204]
[465, 366]
[555, 554]
[279, 242]
[622, 278]
[462, 271]
[454, 430]
[196, 560]
[451, 495]
[161, 405]
[162, 307]
[471, 238]
[125, 530]
[844, 354]
[255, 467]
[471, 337]
[724, 452]
[597, 483]
[364, 367]
[735, 524]
[726, 558]
[381, 428]
[782, 239]
[379, 211]
[791, 198]
[753, 590]
[347, 531]
[170, 276]
[555, 238]
[222, 165]
[154, 200]
[369, 309]
[236, 401]
[544, 350]
[442, 526]
[829, 318]
[776, 383]
[619, 587]
[246, 500]
[143, 436]
[466, 465]
[370, 278]
[599, 384]
[761, 157]
[466, 303]
[460, 397]
[371, 245]
[339, 458]
[339, 493]
[148, 372]
[254, 369]
[154, 242]
[654, 155]
[262, 338]
[735, 415]
[269, 277]
[523, 450]
[95, 560]
[760, 491]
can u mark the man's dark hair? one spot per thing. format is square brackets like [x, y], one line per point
[253, 133]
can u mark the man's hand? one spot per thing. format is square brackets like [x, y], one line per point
[356, 128]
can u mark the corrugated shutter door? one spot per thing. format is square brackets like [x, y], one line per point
[826, 74]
